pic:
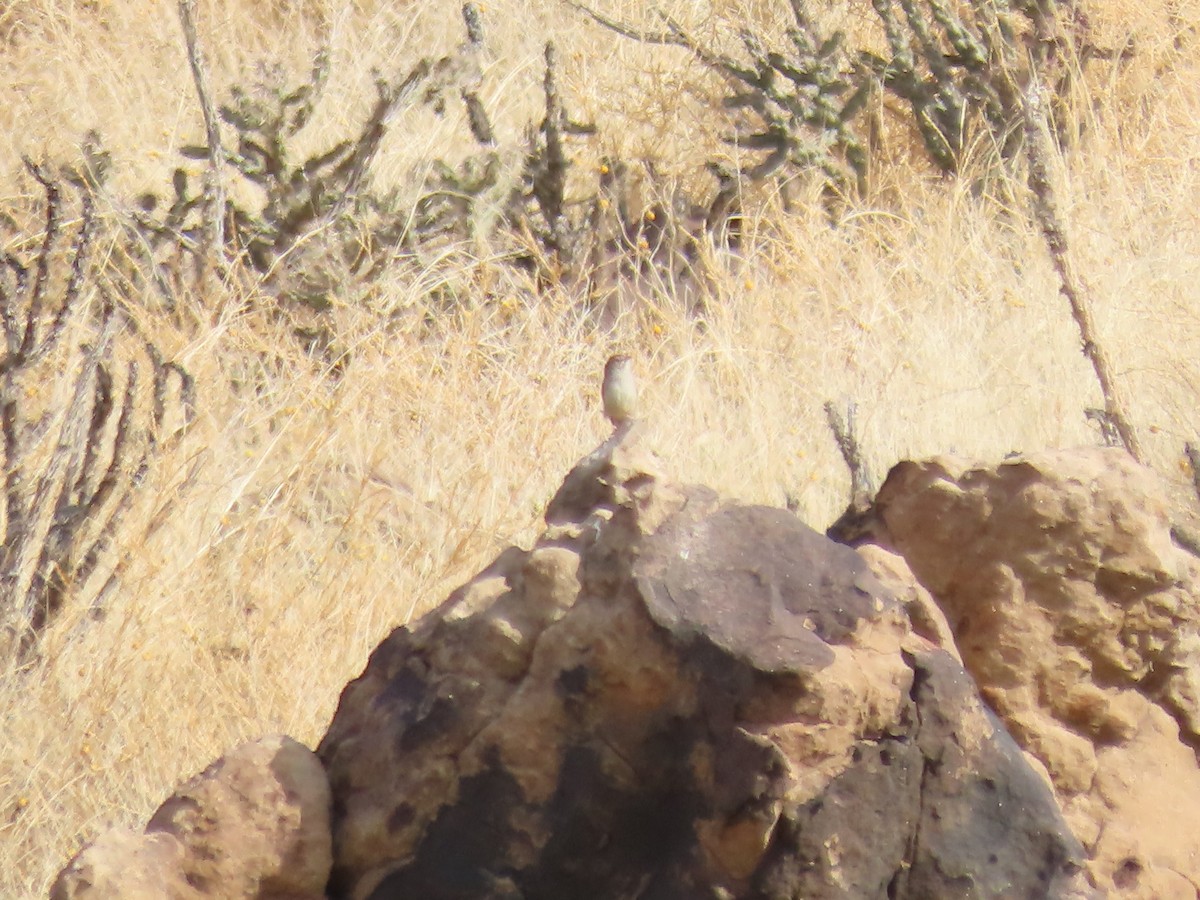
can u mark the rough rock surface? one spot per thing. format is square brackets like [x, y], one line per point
[1079, 619]
[254, 824]
[669, 696]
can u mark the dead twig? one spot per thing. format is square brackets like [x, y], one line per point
[215, 180]
[856, 523]
[861, 483]
[1071, 282]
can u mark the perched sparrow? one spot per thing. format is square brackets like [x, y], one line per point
[619, 390]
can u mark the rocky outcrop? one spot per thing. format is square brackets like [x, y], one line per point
[253, 824]
[1080, 621]
[673, 696]
[994, 695]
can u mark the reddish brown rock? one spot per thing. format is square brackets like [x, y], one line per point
[671, 696]
[1078, 618]
[254, 824]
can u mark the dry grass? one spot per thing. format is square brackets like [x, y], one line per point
[328, 510]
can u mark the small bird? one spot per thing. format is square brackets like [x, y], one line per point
[619, 390]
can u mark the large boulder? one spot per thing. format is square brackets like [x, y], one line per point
[672, 696]
[1079, 619]
[254, 824]
[996, 694]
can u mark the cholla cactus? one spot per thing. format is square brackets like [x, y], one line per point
[954, 64]
[797, 104]
[319, 203]
[78, 432]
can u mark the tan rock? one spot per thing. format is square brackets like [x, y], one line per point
[925, 616]
[1145, 795]
[126, 865]
[254, 824]
[1078, 618]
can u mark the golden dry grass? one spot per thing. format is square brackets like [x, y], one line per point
[327, 511]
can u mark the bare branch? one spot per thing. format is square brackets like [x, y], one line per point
[670, 38]
[861, 483]
[1071, 283]
[212, 129]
